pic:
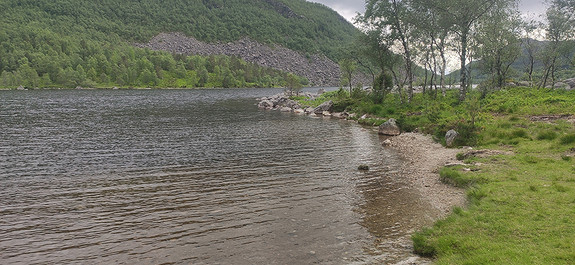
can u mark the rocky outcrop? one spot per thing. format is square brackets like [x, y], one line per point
[389, 128]
[283, 9]
[318, 69]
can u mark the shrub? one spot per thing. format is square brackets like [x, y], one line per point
[568, 139]
[460, 156]
[520, 133]
[547, 135]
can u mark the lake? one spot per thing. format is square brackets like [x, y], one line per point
[194, 177]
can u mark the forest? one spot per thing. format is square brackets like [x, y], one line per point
[69, 43]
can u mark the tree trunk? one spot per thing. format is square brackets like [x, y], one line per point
[463, 70]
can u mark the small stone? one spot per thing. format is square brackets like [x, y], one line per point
[363, 167]
[387, 142]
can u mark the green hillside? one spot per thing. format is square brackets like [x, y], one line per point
[519, 67]
[81, 42]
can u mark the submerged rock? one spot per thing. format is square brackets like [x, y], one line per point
[389, 128]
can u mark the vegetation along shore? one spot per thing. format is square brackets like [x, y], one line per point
[514, 157]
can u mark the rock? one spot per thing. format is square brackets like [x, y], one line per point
[389, 128]
[292, 104]
[326, 113]
[387, 142]
[570, 82]
[285, 109]
[309, 110]
[262, 54]
[326, 106]
[114, 88]
[510, 84]
[524, 83]
[340, 115]
[561, 85]
[266, 104]
[450, 137]
[363, 167]
[20, 88]
[320, 91]
[79, 88]
[298, 111]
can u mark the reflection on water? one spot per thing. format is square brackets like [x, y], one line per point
[193, 176]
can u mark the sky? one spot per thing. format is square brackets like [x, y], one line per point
[349, 8]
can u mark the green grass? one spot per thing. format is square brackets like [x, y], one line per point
[524, 210]
[521, 206]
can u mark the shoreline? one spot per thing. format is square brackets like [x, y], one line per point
[423, 158]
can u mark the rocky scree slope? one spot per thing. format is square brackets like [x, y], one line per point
[318, 69]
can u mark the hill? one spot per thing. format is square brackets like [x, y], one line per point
[81, 42]
[519, 66]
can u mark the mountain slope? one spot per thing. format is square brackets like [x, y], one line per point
[52, 36]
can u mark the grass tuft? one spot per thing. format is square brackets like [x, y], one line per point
[453, 177]
[567, 139]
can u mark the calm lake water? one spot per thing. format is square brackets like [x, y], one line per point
[193, 177]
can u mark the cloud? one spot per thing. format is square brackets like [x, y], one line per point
[349, 8]
[346, 8]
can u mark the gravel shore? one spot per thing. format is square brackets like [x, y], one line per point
[422, 160]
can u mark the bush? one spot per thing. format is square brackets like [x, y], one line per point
[547, 135]
[460, 156]
[568, 139]
[520, 133]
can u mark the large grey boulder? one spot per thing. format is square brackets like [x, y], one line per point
[524, 83]
[450, 137]
[326, 106]
[561, 85]
[389, 128]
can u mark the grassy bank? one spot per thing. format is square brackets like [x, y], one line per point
[522, 198]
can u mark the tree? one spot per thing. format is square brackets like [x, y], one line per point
[394, 20]
[463, 16]
[347, 67]
[560, 29]
[531, 46]
[498, 34]
[293, 84]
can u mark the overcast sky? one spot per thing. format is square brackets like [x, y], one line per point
[348, 8]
